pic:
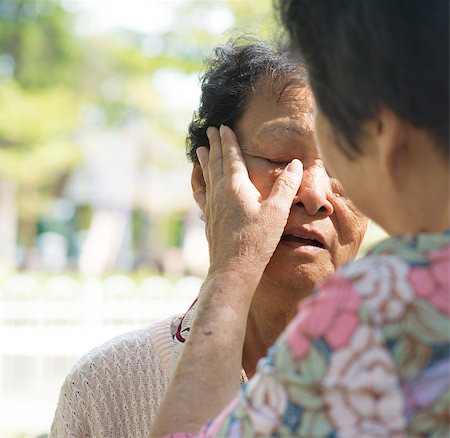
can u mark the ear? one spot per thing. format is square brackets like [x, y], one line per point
[392, 146]
[197, 180]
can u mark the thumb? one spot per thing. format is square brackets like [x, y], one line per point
[200, 199]
[286, 185]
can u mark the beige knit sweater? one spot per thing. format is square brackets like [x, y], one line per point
[115, 390]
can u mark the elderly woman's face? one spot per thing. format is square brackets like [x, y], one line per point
[324, 229]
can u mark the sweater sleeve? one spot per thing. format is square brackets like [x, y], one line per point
[115, 390]
[70, 420]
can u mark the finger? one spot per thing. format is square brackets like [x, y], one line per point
[286, 185]
[200, 199]
[203, 159]
[233, 161]
[215, 155]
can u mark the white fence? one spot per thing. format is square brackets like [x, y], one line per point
[45, 325]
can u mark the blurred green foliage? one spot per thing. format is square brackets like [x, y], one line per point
[39, 69]
[51, 75]
[38, 36]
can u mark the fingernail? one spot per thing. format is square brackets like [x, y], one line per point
[200, 153]
[294, 166]
[209, 130]
[221, 130]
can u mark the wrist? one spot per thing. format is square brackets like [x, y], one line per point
[225, 299]
[228, 285]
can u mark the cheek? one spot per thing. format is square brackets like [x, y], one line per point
[351, 226]
[354, 190]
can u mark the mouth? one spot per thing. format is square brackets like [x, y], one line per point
[302, 240]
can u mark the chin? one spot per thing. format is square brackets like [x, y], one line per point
[302, 278]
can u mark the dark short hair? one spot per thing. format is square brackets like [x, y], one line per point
[362, 55]
[232, 75]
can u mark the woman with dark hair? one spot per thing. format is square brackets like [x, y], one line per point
[262, 93]
[367, 355]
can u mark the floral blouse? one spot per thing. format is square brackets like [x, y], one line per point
[366, 356]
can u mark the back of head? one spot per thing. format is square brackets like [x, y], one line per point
[363, 55]
[232, 75]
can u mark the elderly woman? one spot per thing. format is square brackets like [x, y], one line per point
[368, 354]
[262, 93]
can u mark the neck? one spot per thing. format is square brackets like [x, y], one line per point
[272, 308]
[424, 202]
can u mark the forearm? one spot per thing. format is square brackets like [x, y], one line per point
[243, 229]
[207, 375]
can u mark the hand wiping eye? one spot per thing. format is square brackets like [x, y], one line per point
[237, 216]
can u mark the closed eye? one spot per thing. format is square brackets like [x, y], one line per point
[278, 163]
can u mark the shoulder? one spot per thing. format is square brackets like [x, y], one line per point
[388, 278]
[366, 289]
[381, 290]
[401, 274]
[377, 288]
[151, 345]
[129, 372]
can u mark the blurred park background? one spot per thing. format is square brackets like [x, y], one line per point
[98, 231]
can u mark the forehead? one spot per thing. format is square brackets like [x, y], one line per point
[271, 115]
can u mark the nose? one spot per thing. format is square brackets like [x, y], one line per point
[313, 193]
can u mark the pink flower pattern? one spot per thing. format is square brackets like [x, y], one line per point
[432, 282]
[363, 328]
[362, 388]
[333, 314]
